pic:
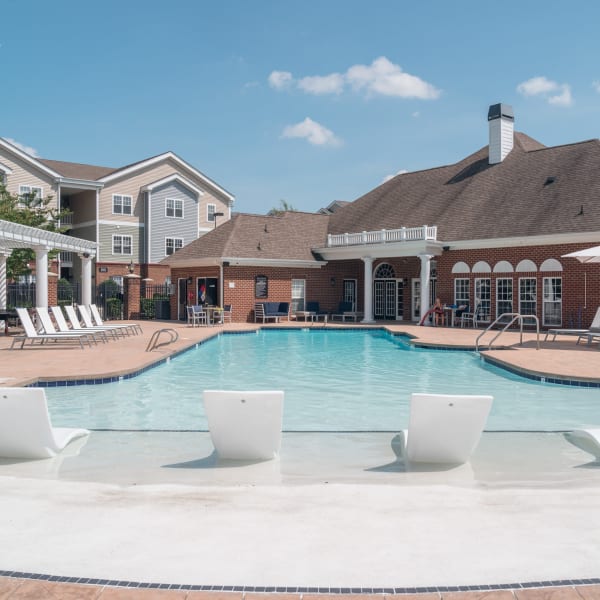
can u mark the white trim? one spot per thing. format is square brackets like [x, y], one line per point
[148, 246]
[121, 235]
[390, 250]
[122, 196]
[28, 158]
[6, 170]
[512, 294]
[544, 279]
[96, 223]
[529, 278]
[174, 248]
[213, 212]
[106, 222]
[150, 187]
[460, 267]
[85, 184]
[532, 240]
[162, 157]
[174, 200]
[31, 187]
[238, 262]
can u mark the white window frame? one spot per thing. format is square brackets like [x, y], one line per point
[210, 214]
[523, 301]
[123, 245]
[502, 295]
[177, 207]
[119, 200]
[553, 298]
[174, 245]
[485, 304]
[30, 189]
[462, 297]
[298, 294]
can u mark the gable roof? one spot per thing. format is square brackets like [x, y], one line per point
[285, 237]
[77, 170]
[473, 200]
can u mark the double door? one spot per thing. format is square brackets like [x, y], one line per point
[388, 299]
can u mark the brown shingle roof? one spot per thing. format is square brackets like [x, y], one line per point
[289, 236]
[77, 170]
[473, 200]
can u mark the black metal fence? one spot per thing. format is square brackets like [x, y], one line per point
[109, 300]
[155, 301]
[20, 295]
[68, 293]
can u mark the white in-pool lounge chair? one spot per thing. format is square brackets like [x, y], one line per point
[585, 439]
[97, 320]
[444, 429]
[32, 335]
[594, 329]
[25, 428]
[245, 425]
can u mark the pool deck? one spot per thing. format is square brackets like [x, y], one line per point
[335, 512]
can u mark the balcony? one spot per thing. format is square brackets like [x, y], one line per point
[66, 258]
[65, 220]
[383, 236]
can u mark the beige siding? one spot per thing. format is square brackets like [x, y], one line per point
[83, 206]
[106, 243]
[25, 174]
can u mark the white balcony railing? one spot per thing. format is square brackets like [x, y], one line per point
[383, 236]
[65, 220]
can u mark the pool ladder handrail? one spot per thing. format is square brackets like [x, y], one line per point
[153, 343]
[514, 317]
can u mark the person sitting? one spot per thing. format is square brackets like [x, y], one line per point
[438, 312]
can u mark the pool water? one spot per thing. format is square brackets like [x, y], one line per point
[345, 380]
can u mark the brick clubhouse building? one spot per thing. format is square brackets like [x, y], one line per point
[489, 231]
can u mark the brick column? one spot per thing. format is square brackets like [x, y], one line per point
[52, 289]
[131, 299]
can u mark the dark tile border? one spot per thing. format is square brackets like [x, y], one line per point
[300, 590]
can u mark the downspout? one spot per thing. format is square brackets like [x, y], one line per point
[221, 285]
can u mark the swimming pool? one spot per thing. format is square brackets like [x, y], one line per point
[344, 380]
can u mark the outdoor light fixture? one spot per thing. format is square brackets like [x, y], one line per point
[131, 267]
[215, 215]
[332, 281]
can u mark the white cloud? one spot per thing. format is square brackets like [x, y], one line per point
[596, 86]
[280, 80]
[381, 78]
[31, 151]
[314, 133]
[326, 84]
[388, 177]
[555, 93]
[416, 114]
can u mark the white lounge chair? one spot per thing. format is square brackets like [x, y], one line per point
[76, 324]
[48, 326]
[32, 335]
[585, 439]
[444, 429]
[245, 425]
[593, 329]
[97, 320]
[25, 428]
[63, 326]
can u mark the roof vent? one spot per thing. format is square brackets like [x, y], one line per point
[549, 180]
[501, 120]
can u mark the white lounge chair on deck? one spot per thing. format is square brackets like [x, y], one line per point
[245, 425]
[444, 429]
[76, 324]
[32, 335]
[48, 326]
[585, 439]
[97, 320]
[63, 327]
[593, 329]
[25, 428]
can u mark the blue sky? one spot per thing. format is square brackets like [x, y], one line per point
[307, 101]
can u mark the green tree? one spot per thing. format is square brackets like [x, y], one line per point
[283, 207]
[27, 209]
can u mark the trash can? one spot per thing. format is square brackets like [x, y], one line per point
[162, 309]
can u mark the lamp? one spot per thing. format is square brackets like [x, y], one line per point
[215, 215]
[131, 267]
[190, 280]
[332, 281]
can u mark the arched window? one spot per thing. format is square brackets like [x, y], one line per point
[461, 267]
[551, 264]
[526, 266]
[503, 266]
[482, 267]
[385, 271]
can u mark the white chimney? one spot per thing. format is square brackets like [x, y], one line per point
[502, 126]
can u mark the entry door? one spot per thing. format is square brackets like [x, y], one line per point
[385, 299]
[207, 291]
[181, 299]
[350, 292]
[416, 300]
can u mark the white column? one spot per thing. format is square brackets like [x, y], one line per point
[4, 254]
[368, 294]
[425, 274]
[86, 278]
[41, 276]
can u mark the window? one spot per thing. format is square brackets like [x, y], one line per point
[172, 245]
[121, 244]
[483, 298]
[298, 294]
[211, 209]
[28, 193]
[461, 292]
[349, 292]
[121, 204]
[552, 309]
[527, 295]
[261, 286]
[174, 208]
[118, 279]
[504, 296]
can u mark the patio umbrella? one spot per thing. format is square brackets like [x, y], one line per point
[589, 255]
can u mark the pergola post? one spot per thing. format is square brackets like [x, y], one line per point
[41, 276]
[86, 278]
[368, 292]
[4, 254]
[425, 275]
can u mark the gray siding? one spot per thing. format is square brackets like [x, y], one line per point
[106, 246]
[161, 226]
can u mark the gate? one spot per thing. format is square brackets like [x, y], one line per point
[155, 301]
[109, 299]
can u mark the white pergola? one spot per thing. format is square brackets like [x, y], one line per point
[14, 235]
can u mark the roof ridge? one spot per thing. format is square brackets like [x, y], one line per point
[596, 140]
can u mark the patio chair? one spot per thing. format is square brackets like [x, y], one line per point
[314, 307]
[444, 429]
[48, 326]
[76, 324]
[585, 439]
[25, 428]
[33, 335]
[227, 313]
[97, 320]
[196, 316]
[244, 425]
[594, 328]
[63, 326]
[472, 317]
[346, 311]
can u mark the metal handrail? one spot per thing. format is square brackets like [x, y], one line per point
[153, 343]
[515, 317]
